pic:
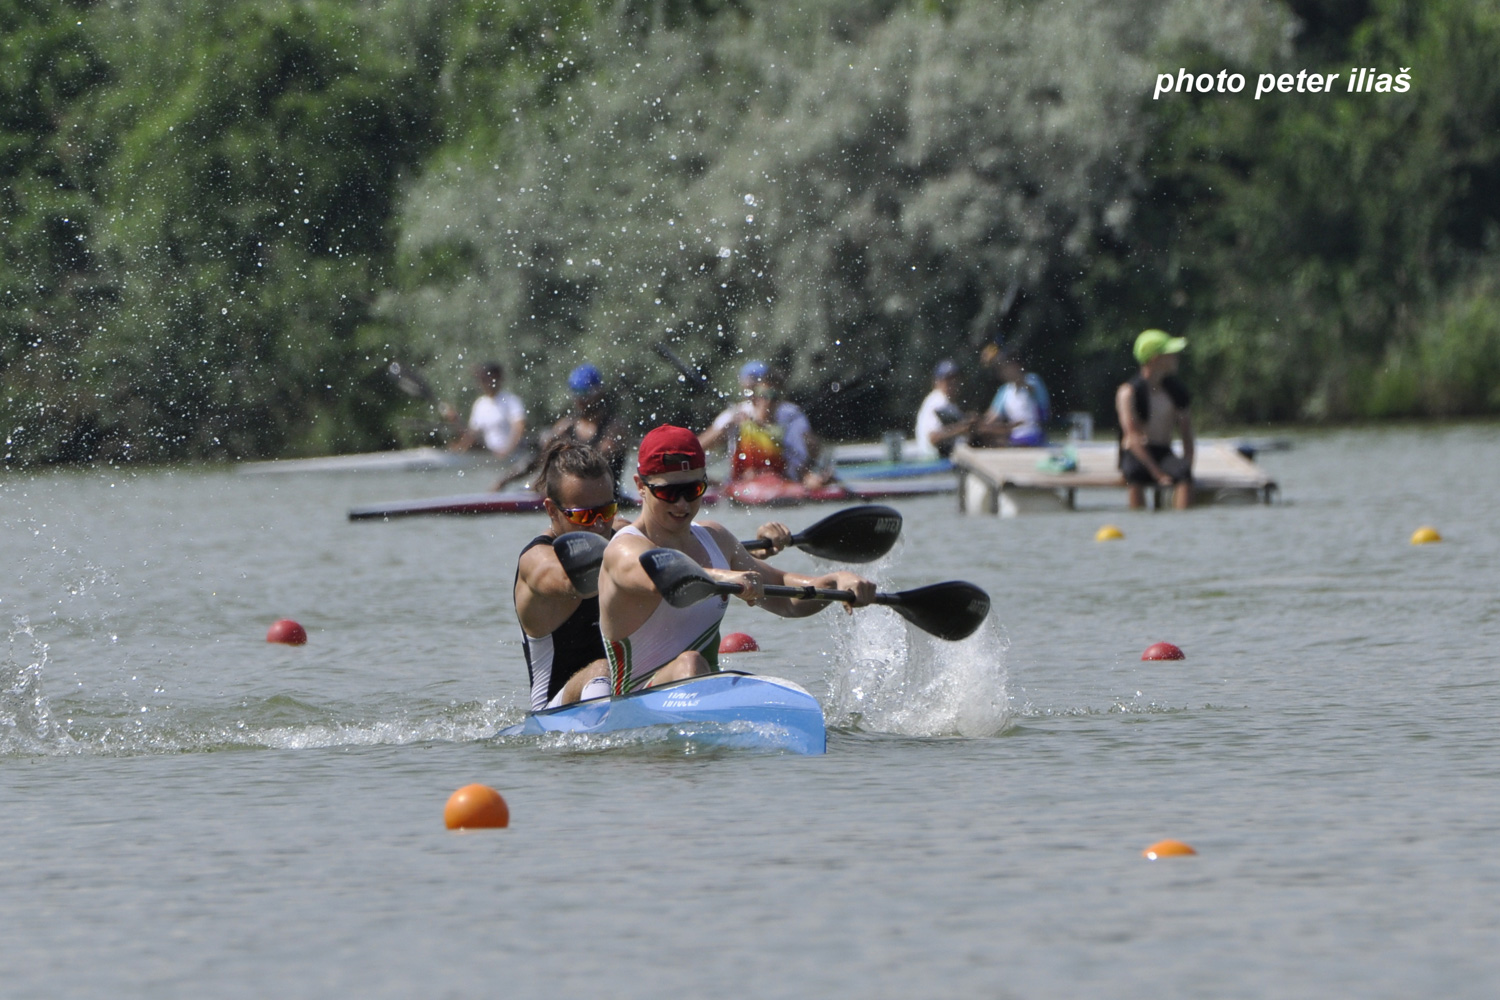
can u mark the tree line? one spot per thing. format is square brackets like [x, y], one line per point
[219, 224]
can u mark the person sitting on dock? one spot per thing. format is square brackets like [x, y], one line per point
[766, 434]
[646, 640]
[559, 626]
[940, 423]
[1151, 407]
[497, 421]
[1018, 415]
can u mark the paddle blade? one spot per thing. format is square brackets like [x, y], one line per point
[581, 554]
[856, 534]
[950, 611]
[680, 581]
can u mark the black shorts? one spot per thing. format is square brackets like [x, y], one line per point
[1168, 460]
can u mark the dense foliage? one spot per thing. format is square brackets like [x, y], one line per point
[220, 223]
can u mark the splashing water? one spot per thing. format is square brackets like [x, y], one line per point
[25, 716]
[896, 679]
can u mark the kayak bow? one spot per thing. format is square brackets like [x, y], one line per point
[729, 709]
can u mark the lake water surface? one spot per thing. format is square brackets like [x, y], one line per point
[189, 811]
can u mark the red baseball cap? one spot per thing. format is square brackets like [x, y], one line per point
[670, 449]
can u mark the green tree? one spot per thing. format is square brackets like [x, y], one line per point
[50, 291]
[851, 190]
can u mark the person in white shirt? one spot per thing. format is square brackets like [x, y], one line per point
[497, 420]
[940, 423]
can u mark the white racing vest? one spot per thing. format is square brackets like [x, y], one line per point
[669, 631]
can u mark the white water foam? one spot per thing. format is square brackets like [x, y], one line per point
[896, 679]
[26, 725]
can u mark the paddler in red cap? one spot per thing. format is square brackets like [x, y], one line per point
[646, 640]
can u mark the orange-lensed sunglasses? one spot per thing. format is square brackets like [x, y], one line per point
[588, 516]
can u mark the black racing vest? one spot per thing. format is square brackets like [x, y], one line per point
[576, 643]
[1140, 393]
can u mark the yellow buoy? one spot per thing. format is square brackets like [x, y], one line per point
[474, 807]
[1108, 533]
[1167, 849]
[1424, 535]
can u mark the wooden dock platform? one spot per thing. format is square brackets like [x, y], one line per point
[1008, 481]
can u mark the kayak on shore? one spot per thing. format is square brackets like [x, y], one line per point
[729, 708]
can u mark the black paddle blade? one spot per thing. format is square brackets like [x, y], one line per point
[856, 534]
[680, 581]
[950, 611]
[581, 554]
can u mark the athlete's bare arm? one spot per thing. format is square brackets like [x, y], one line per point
[1185, 431]
[627, 597]
[545, 597]
[739, 559]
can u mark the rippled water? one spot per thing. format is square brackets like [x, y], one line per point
[191, 811]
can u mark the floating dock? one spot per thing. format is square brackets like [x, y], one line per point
[1009, 481]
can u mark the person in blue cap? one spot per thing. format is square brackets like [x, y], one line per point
[593, 421]
[940, 423]
[592, 424]
[766, 434]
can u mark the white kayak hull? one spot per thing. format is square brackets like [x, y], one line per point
[740, 710]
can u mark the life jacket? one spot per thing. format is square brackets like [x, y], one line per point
[1140, 390]
[1140, 394]
[759, 450]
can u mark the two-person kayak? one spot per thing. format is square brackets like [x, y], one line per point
[732, 709]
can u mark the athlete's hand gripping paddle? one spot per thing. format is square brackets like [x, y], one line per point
[853, 535]
[581, 554]
[952, 610]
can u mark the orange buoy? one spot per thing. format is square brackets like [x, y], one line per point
[1163, 651]
[475, 807]
[1425, 535]
[1108, 533]
[738, 642]
[287, 632]
[1167, 849]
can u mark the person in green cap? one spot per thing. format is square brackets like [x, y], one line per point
[1152, 407]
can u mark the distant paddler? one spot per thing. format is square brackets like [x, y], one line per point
[765, 434]
[940, 423]
[497, 420]
[647, 640]
[1019, 413]
[592, 423]
[559, 623]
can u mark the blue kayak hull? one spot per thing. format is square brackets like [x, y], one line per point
[740, 710]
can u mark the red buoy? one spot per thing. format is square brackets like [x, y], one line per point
[738, 642]
[288, 632]
[1163, 651]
